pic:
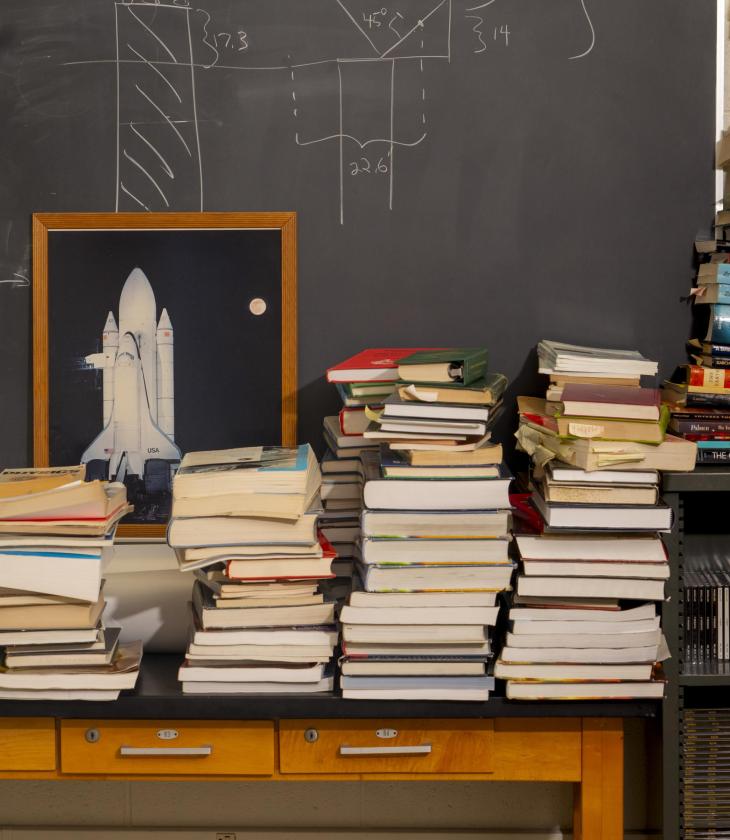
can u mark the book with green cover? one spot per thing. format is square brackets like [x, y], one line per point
[455, 366]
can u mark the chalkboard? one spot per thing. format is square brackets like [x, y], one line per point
[464, 171]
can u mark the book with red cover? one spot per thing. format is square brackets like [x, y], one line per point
[354, 421]
[379, 364]
[618, 401]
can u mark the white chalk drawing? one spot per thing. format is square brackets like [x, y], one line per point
[137, 441]
[160, 47]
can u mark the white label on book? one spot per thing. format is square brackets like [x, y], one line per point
[585, 430]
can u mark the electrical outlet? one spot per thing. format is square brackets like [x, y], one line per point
[225, 835]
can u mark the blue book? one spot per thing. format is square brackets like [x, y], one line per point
[718, 330]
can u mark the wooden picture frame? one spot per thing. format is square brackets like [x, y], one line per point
[55, 310]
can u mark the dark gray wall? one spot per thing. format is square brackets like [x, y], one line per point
[551, 196]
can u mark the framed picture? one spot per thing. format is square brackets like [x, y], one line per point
[157, 334]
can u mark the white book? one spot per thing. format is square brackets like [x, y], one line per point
[623, 517]
[425, 649]
[309, 653]
[267, 636]
[448, 577]
[412, 494]
[423, 599]
[400, 634]
[598, 625]
[643, 611]
[648, 549]
[572, 475]
[68, 572]
[584, 691]
[419, 615]
[414, 523]
[567, 671]
[93, 695]
[584, 640]
[417, 688]
[238, 672]
[640, 590]
[424, 550]
[594, 568]
[325, 684]
[645, 653]
[403, 668]
[49, 637]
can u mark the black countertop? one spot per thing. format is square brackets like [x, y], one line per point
[158, 695]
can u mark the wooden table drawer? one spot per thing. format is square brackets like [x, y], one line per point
[167, 748]
[386, 746]
[27, 744]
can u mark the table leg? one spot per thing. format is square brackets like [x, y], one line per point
[598, 803]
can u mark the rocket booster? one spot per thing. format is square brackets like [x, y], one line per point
[138, 384]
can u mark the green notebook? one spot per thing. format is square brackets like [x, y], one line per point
[452, 366]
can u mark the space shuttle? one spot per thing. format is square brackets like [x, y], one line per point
[138, 391]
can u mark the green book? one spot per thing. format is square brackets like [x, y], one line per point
[451, 366]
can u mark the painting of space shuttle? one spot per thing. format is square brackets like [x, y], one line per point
[136, 443]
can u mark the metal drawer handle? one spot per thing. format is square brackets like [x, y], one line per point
[166, 751]
[419, 749]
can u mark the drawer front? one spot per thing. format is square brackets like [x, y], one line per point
[386, 746]
[27, 744]
[167, 748]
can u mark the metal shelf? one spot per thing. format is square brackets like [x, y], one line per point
[702, 480]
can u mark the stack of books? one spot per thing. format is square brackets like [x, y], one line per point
[56, 534]
[245, 520]
[698, 394]
[434, 545]
[698, 397]
[584, 621]
[362, 381]
[546, 431]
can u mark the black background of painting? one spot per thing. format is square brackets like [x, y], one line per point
[227, 361]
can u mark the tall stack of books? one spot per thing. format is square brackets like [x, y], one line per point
[698, 394]
[434, 546]
[584, 621]
[246, 521]
[362, 381]
[56, 534]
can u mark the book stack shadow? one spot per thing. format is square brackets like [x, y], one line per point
[56, 536]
[584, 622]
[434, 542]
[245, 520]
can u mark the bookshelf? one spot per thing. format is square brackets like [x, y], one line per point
[700, 502]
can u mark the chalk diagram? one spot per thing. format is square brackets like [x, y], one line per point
[162, 47]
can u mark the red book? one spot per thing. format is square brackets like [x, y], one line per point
[353, 421]
[709, 379]
[376, 365]
[619, 401]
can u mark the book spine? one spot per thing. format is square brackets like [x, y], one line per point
[713, 456]
[694, 400]
[719, 351]
[714, 361]
[698, 427]
[703, 377]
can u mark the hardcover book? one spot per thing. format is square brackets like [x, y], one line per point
[453, 365]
